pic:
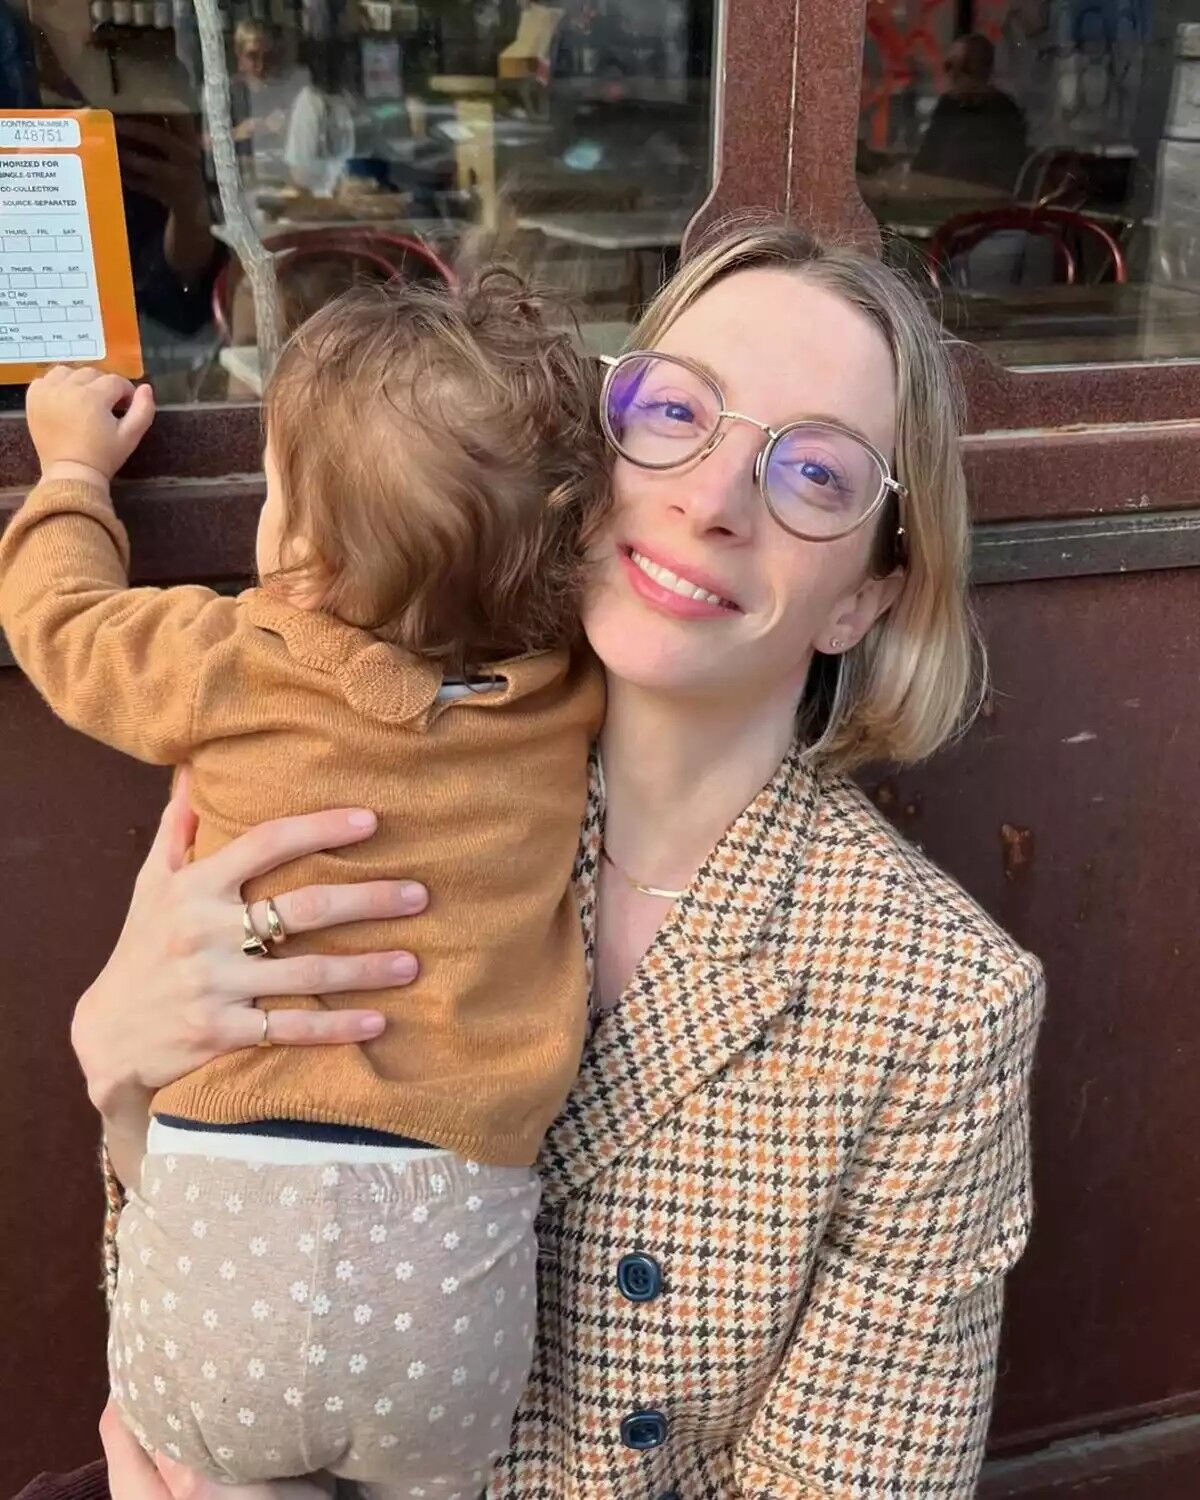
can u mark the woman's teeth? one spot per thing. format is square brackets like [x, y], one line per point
[668, 580]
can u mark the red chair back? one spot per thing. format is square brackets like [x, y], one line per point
[387, 255]
[1061, 226]
[1056, 176]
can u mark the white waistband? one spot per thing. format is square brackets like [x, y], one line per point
[451, 691]
[280, 1151]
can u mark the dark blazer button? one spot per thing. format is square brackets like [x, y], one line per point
[644, 1429]
[639, 1277]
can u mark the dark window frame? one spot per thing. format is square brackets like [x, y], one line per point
[785, 134]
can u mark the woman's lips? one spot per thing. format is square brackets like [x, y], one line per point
[674, 593]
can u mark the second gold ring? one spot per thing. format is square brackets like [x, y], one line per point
[276, 931]
[252, 943]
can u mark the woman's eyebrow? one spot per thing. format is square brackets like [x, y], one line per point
[705, 369]
[816, 416]
[809, 416]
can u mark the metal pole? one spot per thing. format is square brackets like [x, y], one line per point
[243, 238]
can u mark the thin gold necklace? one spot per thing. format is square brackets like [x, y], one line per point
[646, 890]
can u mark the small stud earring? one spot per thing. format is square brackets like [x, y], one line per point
[836, 643]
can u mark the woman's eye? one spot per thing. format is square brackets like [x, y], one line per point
[813, 471]
[677, 412]
[673, 411]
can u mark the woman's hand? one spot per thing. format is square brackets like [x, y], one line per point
[178, 991]
[133, 1476]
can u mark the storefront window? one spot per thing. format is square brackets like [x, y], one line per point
[1037, 164]
[375, 136]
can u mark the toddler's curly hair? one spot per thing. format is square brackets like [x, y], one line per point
[441, 465]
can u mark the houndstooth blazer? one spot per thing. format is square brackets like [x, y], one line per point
[779, 1205]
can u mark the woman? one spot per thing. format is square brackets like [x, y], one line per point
[782, 1199]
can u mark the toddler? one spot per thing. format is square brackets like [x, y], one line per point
[329, 1263]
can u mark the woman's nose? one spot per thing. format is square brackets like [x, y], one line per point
[719, 494]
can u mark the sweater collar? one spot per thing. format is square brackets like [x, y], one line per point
[383, 681]
[712, 980]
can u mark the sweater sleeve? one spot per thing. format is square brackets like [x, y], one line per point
[887, 1385]
[121, 664]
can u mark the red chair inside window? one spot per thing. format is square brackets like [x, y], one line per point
[1067, 231]
[1056, 176]
[331, 260]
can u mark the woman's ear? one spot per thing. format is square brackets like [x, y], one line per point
[854, 614]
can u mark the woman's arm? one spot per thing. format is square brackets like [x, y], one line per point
[178, 991]
[887, 1385]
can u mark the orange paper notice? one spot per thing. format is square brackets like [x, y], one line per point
[66, 289]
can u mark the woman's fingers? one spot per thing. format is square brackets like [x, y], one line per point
[326, 974]
[184, 1484]
[131, 1475]
[316, 1028]
[269, 845]
[317, 906]
[176, 832]
[242, 1026]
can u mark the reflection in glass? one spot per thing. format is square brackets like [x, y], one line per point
[67, 54]
[1039, 160]
[575, 137]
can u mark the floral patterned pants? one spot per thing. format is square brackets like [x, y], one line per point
[371, 1319]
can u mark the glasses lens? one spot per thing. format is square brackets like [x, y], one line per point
[659, 413]
[821, 482]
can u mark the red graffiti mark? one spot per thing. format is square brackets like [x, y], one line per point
[899, 47]
[990, 16]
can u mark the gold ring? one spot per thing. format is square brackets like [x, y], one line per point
[252, 945]
[276, 931]
[265, 1039]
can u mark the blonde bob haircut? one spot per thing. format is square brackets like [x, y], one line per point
[917, 677]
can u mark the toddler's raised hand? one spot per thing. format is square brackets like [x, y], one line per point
[85, 423]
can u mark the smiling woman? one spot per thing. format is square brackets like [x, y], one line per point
[830, 422]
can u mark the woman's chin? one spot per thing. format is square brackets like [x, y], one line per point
[647, 656]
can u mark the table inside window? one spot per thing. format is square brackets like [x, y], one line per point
[915, 205]
[1078, 325]
[630, 231]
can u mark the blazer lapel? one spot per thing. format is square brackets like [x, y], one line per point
[706, 988]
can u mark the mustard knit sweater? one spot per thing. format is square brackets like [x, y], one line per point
[281, 711]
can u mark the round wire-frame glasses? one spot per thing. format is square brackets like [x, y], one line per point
[888, 484]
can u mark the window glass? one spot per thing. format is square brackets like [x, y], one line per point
[1037, 163]
[375, 136]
